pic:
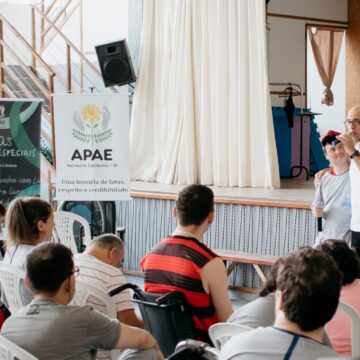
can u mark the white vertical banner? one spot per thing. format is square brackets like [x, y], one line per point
[92, 147]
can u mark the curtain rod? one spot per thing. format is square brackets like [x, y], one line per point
[287, 83]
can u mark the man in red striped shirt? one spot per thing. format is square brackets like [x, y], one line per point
[182, 262]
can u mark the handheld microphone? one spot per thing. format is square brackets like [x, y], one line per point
[319, 224]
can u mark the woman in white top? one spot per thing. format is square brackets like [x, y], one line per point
[29, 221]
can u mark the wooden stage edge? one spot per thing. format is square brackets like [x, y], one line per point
[293, 194]
[220, 200]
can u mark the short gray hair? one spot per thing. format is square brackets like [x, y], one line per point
[108, 241]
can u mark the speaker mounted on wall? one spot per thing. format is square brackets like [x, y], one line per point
[115, 63]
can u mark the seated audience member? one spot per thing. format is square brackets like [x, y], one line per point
[307, 294]
[29, 221]
[261, 311]
[332, 200]
[49, 329]
[182, 262]
[338, 328]
[99, 266]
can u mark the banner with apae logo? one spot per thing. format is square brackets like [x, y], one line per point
[20, 121]
[92, 147]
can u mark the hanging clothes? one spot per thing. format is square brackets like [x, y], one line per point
[289, 106]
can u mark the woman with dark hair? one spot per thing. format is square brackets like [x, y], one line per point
[338, 328]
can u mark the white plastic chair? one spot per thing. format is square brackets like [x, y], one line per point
[64, 229]
[354, 318]
[10, 280]
[11, 351]
[221, 332]
[84, 291]
[86, 294]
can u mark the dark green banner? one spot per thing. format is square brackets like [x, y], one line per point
[20, 122]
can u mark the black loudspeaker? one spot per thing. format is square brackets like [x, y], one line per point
[115, 63]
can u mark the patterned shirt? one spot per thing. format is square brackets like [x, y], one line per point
[175, 264]
[104, 276]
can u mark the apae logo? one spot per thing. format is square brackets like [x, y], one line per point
[92, 125]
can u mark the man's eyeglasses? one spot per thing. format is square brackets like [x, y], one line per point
[75, 271]
[354, 121]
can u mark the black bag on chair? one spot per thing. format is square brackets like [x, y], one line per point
[166, 316]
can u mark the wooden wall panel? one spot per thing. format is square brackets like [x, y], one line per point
[353, 55]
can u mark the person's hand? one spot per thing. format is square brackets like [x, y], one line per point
[318, 177]
[348, 141]
[317, 211]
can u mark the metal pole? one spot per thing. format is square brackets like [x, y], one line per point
[2, 75]
[68, 67]
[33, 39]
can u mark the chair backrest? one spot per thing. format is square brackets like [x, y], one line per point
[220, 333]
[354, 318]
[86, 294]
[11, 351]
[167, 317]
[10, 280]
[64, 229]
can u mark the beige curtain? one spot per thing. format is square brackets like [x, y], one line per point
[326, 46]
[201, 111]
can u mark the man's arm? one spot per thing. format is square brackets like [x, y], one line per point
[349, 144]
[128, 317]
[356, 160]
[124, 304]
[317, 207]
[139, 339]
[215, 281]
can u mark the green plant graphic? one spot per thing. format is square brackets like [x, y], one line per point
[81, 136]
[103, 136]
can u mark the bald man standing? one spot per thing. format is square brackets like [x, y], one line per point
[351, 141]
